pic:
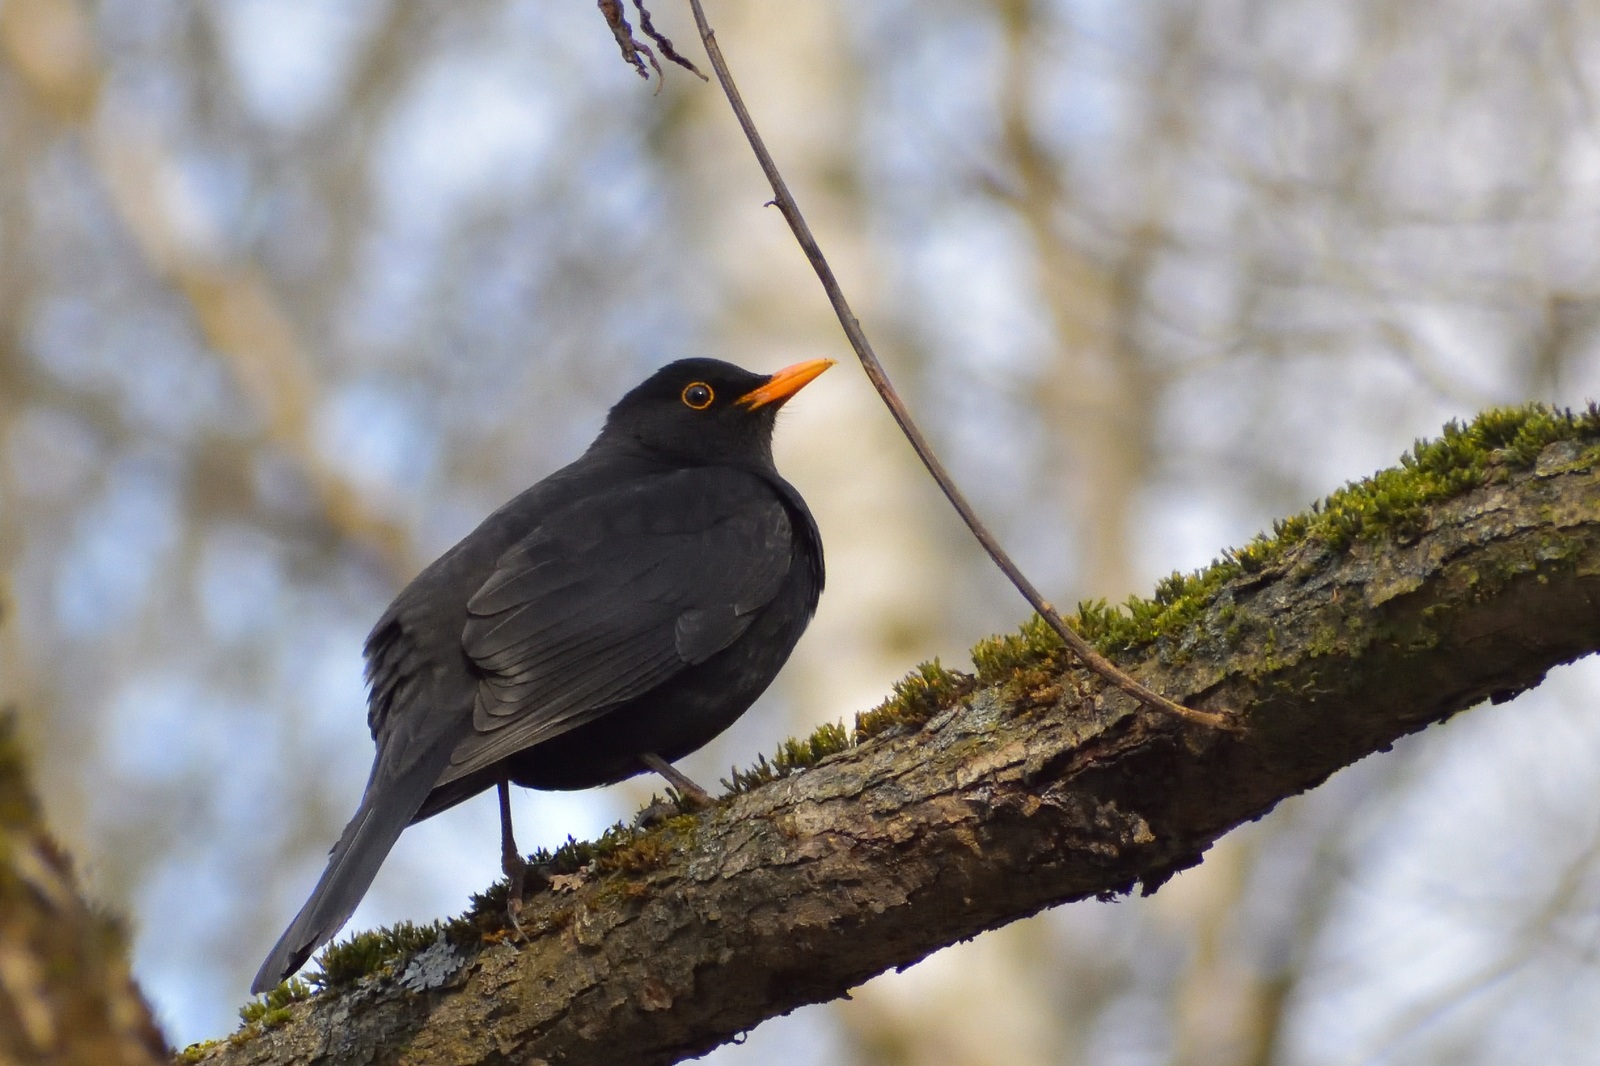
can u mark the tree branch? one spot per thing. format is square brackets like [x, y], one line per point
[65, 995]
[52, 46]
[1040, 787]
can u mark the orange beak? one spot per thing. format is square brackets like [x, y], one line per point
[784, 384]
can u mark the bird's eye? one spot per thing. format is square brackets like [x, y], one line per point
[698, 395]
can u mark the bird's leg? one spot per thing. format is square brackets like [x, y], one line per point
[512, 864]
[689, 794]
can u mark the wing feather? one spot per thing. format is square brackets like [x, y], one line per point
[611, 597]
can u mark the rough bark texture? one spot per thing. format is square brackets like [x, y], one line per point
[65, 995]
[1040, 791]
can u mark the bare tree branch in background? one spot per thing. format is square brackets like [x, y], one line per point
[51, 45]
[1100, 392]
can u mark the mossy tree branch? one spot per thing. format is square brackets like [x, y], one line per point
[1464, 576]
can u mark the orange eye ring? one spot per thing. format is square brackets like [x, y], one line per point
[698, 395]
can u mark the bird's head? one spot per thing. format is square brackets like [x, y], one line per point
[705, 410]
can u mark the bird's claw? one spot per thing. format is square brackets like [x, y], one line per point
[658, 811]
[688, 796]
[520, 875]
[513, 913]
[677, 802]
[691, 801]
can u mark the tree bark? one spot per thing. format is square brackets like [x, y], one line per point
[1041, 790]
[65, 995]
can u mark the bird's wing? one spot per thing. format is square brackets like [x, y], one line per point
[612, 596]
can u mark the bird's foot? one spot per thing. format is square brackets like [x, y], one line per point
[515, 879]
[514, 915]
[677, 803]
[656, 812]
[691, 800]
[521, 876]
[689, 796]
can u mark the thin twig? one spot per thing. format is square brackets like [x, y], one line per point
[632, 48]
[663, 42]
[785, 202]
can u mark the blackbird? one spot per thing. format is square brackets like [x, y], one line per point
[611, 619]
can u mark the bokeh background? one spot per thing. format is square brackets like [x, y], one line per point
[293, 292]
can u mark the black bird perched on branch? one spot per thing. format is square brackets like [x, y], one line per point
[611, 619]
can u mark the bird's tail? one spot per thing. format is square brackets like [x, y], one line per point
[386, 809]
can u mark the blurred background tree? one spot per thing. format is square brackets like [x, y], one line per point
[293, 292]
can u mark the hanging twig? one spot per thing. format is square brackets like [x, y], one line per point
[663, 43]
[785, 202]
[634, 50]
